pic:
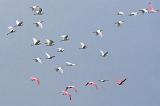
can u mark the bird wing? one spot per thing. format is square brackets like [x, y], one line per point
[82, 44]
[39, 60]
[17, 22]
[60, 69]
[40, 25]
[102, 53]
[10, 28]
[68, 63]
[48, 56]
[35, 40]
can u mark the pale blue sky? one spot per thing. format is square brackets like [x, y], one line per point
[133, 53]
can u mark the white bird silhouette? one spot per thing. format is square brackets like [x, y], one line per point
[49, 56]
[39, 24]
[59, 69]
[38, 60]
[103, 80]
[99, 33]
[120, 13]
[11, 30]
[36, 42]
[18, 23]
[70, 64]
[133, 14]
[103, 54]
[144, 10]
[34, 7]
[38, 11]
[119, 23]
[83, 46]
[49, 42]
[64, 37]
[60, 50]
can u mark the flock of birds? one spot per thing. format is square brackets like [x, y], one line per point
[37, 10]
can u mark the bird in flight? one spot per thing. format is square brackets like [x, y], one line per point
[18, 23]
[59, 69]
[49, 42]
[133, 14]
[92, 84]
[39, 24]
[38, 11]
[83, 46]
[66, 93]
[103, 54]
[49, 56]
[144, 10]
[60, 50]
[11, 30]
[120, 13]
[99, 32]
[71, 87]
[121, 81]
[103, 80]
[36, 42]
[119, 23]
[70, 64]
[34, 7]
[151, 8]
[38, 60]
[64, 37]
[36, 79]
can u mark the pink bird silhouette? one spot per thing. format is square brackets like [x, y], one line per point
[92, 84]
[120, 82]
[151, 8]
[36, 80]
[66, 93]
[71, 87]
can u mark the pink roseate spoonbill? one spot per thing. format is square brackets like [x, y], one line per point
[120, 82]
[71, 87]
[37, 81]
[66, 93]
[92, 84]
[151, 8]
[99, 32]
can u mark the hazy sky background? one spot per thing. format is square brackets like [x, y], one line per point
[134, 53]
